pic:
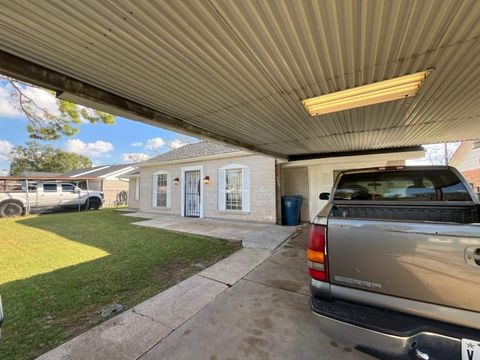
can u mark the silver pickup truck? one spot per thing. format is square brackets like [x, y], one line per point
[394, 260]
[17, 197]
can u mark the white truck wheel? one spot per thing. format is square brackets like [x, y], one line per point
[10, 209]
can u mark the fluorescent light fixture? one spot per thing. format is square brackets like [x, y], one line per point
[376, 93]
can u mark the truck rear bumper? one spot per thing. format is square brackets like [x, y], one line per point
[389, 335]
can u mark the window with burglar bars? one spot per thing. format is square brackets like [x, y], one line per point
[162, 190]
[233, 189]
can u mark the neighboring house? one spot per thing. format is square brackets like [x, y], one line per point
[110, 179]
[210, 180]
[467, 160]
[206, 180]
[28, 173]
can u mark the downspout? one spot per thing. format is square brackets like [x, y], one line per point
[278, 193]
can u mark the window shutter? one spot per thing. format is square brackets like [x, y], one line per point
[154, 191]
[246, 189]
[169, 191]
[137, 188]
[221, 189]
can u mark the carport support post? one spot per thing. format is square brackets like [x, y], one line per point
[27, 208]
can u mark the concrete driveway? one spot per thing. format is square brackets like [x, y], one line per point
[252, 305]
[265, 315]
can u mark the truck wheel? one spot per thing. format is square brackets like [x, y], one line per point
[93, 204]
[11, 209]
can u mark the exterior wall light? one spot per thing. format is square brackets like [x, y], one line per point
[206, 180]
[176, 181]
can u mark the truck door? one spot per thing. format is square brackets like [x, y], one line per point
[68, 195]
[48, 195]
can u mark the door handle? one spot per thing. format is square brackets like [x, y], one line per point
[472, 256]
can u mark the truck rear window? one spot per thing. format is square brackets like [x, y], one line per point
[403, 185]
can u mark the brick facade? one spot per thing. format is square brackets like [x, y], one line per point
[473, 177]
[262, 188]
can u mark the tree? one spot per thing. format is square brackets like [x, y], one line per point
[45, 123]
[37, 157]
[440, 154]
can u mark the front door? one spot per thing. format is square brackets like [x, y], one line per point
[192, 193]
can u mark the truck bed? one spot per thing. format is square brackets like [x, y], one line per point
[460, 214]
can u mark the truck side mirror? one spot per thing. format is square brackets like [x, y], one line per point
[77, 191]
[324, 196]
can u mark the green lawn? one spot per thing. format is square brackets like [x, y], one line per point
[58, 271]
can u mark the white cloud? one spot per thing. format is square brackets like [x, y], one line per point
[44, 99]
[6, 148]
[135, 157]
[176, 143]
[95, 149]
[3, 172]
[6, 107]
[137, 144]
[155, 144]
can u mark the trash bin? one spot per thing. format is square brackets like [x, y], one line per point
[291, 210]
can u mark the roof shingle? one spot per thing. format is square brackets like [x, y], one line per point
[199, 149]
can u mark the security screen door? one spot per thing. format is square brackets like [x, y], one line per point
[192, 193]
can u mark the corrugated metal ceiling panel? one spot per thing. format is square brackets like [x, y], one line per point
[240, 68]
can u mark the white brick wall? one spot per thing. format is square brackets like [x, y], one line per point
[262, 188]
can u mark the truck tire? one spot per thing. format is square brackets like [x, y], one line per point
[93, 204]
[11, 209]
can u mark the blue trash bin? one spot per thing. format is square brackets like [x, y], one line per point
[291, 210]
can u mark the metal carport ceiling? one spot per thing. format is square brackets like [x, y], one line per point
[240, 68]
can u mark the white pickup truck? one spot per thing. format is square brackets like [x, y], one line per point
[15, 200]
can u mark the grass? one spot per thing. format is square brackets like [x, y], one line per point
[58, 271]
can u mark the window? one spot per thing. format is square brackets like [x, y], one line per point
[476, 144]
[161, 189]
[426, 185]
[49, 187]
[233, 189]
[68, 188]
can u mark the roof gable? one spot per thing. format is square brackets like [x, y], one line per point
[191, 151]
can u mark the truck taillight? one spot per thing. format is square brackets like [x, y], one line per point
[316, 253]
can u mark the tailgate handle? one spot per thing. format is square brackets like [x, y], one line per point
[472, 256]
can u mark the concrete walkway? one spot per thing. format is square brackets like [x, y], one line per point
[253, 235]
[251, 305]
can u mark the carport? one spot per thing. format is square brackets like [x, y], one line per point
[238, 71]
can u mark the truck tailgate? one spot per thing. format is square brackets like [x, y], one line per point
[426, 261]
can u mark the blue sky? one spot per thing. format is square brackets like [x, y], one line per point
[103, 144]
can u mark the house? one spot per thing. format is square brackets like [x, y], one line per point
[211, 180]
[206, 180]
[110, 179]
[467, 160]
